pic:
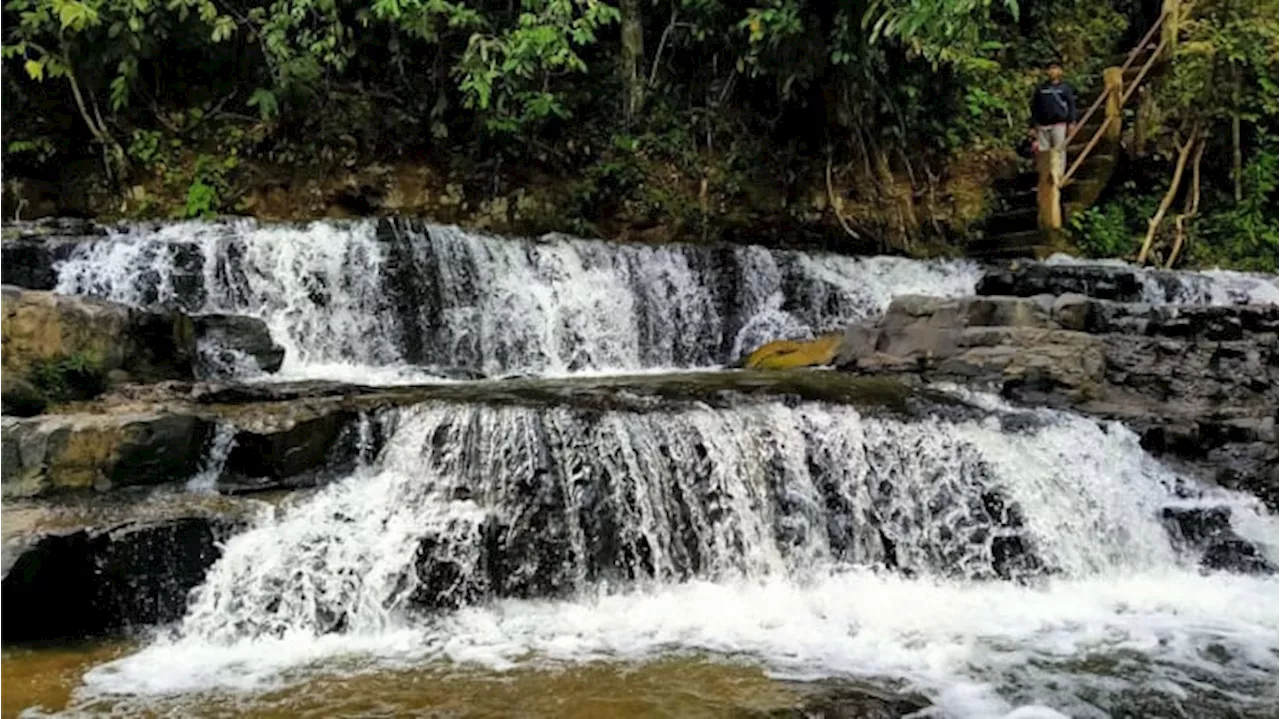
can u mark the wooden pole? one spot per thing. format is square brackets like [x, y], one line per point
[1113, 86]
[1048, 195]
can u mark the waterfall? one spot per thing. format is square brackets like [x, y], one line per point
[815, 538]
[395, 298]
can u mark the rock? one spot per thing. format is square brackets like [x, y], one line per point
[1026, 279]
[1071, 311]
[30, 250]
[1198, 383]
[47, 327]
[222, 338]
[995, 343]
[788, 354]
[832, 699]
[20, 398]
[55, 453]
[74, 570]
[1208, 529]
[296, 445]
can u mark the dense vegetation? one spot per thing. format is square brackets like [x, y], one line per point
[857, 119]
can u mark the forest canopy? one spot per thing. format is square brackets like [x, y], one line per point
[765, 93]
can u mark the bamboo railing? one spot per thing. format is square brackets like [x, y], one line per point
[1114, 95]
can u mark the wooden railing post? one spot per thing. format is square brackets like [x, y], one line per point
[1048, 194]
[1113, 87]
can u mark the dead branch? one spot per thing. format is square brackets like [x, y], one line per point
[831, 198]
[1184, 152]
[1191, 207]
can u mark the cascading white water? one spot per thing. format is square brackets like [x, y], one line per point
[373, 299]
[753, 532]
[215, 459]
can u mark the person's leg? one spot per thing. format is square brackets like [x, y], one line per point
[1058, 145]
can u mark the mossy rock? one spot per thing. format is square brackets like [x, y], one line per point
[789, 354]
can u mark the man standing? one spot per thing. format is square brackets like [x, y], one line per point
[1053, 112]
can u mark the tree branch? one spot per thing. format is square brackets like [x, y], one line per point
[1184, 152]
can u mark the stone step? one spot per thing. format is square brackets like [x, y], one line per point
[1015, 220]
[1008, 245]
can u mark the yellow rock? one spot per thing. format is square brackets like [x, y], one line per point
[786, 354]
[44, 326]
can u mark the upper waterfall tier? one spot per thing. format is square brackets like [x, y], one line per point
[395, 293]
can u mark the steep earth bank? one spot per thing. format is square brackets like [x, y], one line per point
[646, 202]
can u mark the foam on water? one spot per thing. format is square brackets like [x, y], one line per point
[400, 301]
[752, 534]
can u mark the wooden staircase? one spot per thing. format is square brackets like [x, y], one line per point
[1015, 227]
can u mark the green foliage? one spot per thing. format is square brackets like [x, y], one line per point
[147, 147]
[39, 149]
[209, 185]
[74, 377]
[1225, 62]
[507, 75]
[1115, 228]
[1103, 231]
[945, 32]
[1242, 235]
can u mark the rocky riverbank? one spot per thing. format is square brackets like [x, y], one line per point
[1198, 383]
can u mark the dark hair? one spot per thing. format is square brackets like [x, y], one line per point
[1052, 63]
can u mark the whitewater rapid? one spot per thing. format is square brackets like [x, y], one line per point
[334, 582]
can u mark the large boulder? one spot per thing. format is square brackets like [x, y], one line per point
[226, 341]
[43, 327]
[296, 444]
[81, 569]
[57, 453]
[30, 251]
[988, 342]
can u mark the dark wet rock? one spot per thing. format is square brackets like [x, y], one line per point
[30, 251]
[1026, 279]
[297, 445]
[20, 397]
[56, 453]
[1208, 530]
[72, 571]
[842, 700]
[222, 337]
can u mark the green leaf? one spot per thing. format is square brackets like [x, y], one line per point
[265, 101]
[34, 68]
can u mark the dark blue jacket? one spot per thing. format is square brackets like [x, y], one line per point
[1052, 104]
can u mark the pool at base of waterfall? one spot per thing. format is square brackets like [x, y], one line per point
[1155, 644]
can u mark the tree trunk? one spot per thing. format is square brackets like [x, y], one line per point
[632, 57]
[113, 157]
